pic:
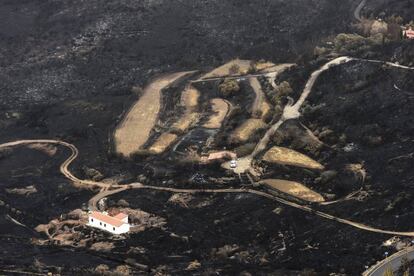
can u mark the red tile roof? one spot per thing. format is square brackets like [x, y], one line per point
[114, 221]
[121, 216]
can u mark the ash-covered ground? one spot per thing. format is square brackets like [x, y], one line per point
[67, 69]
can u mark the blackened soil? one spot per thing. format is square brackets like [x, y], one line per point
[385, 8]
[66, 70]
[54, 196]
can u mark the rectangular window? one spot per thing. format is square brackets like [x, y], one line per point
[113, 228]
[100, 223]
[105, 225]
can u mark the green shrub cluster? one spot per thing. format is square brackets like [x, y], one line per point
[229, 87]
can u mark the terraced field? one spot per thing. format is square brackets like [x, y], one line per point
[219, 108]
[134, 130]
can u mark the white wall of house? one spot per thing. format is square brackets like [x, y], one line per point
[124, 228]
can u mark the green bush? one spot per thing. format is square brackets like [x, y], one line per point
[229, 87]
[282, 90]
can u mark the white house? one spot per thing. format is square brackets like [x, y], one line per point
[116, 225]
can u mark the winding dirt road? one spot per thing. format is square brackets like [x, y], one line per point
[291, 111]
[119, 188]
[64, 167]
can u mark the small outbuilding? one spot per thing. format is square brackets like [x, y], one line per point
[114, 224]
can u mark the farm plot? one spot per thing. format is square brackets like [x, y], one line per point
[294, 189]
[135, 128]
[189, 100]
[285, 156]
[246, 130]
[220, 109]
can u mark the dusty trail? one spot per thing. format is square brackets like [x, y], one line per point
[260, 103]
[274, 198]
[93, 202]
[271, 74]
[291, 111]
[64, 167]
[105, 192]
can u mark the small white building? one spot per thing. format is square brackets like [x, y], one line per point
[116, 225]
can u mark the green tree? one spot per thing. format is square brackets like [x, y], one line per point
[229, 87]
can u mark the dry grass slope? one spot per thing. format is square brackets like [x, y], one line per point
[189, 99]
[229, 69]
[134, 130]
[285, 156]
[220, 109]
[245, 131]
[294, 189]
[185, 122]
[162, 143]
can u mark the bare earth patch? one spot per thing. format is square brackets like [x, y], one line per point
[189, 99]
[220, 109]
[226, 69]
[63, 232]
[294, 189]
[135, 128]
[141, 220]
[162, 143]
[102, 246]
[244, 132]
[285, 156]
[185, 122]
[182, 200]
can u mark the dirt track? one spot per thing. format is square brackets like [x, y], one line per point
[260, 104]
[105, 191]
[290, 112]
